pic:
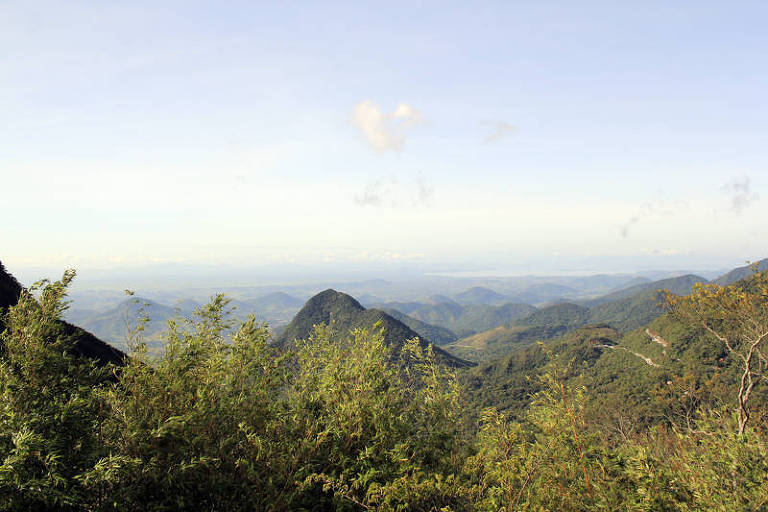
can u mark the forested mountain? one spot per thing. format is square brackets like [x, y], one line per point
[343, 313]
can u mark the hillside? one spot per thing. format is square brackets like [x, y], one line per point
[544, 292]
[502, 340]
[344, 313]
[479, 295]
[680, 285]
[629, 313]
[623, 313]
[740, 273]
[508, 383]
[86, 344]
[541, 325]
[567, 314]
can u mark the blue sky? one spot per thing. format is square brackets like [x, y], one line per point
[474, 134]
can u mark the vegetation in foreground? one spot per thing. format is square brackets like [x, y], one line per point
[224, 421]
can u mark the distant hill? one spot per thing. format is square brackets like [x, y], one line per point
[629, 313]
[544, 292]
[275, 301]
[435, 334]
[86, 344]
[502, 340]
[740, 273]
[277, 309]
[566, 314]
[112, 324]
[344, 313]
[480, 295]
[462, 320]
[541, 325]
[624, 311]
[443, 313]
[639, 280]
[681, 285]
[508, 383]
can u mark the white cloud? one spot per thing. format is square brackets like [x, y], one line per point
[384, 131]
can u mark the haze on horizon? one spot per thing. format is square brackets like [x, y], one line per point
[542, 136]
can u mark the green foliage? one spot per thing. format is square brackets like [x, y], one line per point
[51, 415]
[192, 428]
[374, 426]
[737, 317]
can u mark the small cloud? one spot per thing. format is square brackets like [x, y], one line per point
[394, 194]
[625, 227]
[657, 207]
[407, 114]
[741, 195]
[384, 131]
[499, 130]
[424, 192]
[371, 195]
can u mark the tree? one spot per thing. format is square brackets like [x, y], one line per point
[194, 427]
[51, 415]
[737, 316]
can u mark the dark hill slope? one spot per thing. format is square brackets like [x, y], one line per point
[10, 289]
[344, 313]
[86, 344]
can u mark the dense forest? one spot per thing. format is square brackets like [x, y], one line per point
[351, 409]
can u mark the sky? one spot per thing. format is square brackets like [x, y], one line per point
[441, 135]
